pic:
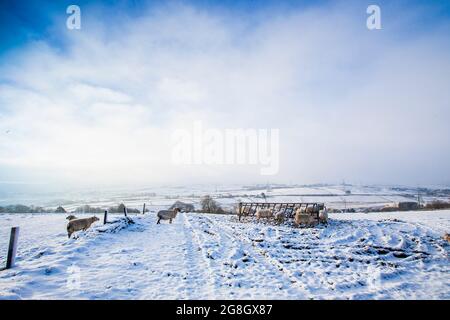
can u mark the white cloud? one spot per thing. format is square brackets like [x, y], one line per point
[350, 103]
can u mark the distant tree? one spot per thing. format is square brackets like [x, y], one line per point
[209, 205]
[186, 207]
[117, 209]
[87, 209]
[437, 204]
[120, 208]
[20, 208]
[34, 209]
[60, 210]
[263, 195]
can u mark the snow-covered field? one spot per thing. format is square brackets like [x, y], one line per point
[357, 256]
[334, 196]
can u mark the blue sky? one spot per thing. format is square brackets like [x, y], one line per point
[32, 20]
[24, 21]
[372, 104]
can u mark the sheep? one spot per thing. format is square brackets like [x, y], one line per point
[71, 217]
[79, 224]
[311, 209]
[308, 209]
[167, 215]
[302, 217]
[264, 213]
[447, 237]
[307, 215]
[280, 216]
[323, 216]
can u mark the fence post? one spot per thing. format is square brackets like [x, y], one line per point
[143, 210]
[105, 217]
[125, 211]
[12, 250]
[240, 210]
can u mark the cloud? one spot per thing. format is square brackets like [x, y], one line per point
[350, 103]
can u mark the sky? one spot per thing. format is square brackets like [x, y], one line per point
[99, 106]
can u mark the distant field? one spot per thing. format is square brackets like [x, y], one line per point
[156, 198]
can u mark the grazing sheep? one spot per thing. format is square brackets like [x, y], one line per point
[447, 237]
[264, 213]
[71, 217]
[301, 210]
[167, 215]
[323, 216]
[280, 216]
[308, 209]
[301, 217]
[312, 209]
[80, 224]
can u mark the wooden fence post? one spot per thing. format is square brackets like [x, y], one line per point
[105, 217]
[240, 210]
[143, 210]
[12, 250]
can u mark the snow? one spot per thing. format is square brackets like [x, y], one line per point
[395, 255]
[160, 197]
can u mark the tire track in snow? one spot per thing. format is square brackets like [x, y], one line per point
[279, 266]
[231, 243]
[314, 253]
[348, 257]
[312, 257]
[193, 252]
[208, 256]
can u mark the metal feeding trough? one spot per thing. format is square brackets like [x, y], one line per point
[288, 208]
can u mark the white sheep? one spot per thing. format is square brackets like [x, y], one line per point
[280, 216]
[308, 209]
[311, 209]
[80, 224]
[305, 218]
[264, 213]
[323, 216]
[167, 215]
